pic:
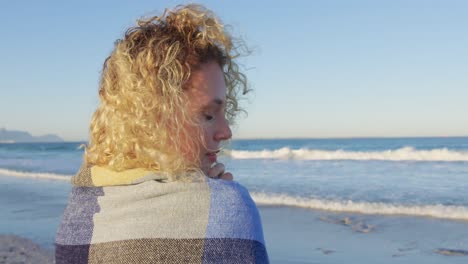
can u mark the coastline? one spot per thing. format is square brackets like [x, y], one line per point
[15, 249]
[297, 235]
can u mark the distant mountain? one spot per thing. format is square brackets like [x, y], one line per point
[13, 136]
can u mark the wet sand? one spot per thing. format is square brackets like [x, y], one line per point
[292, 235]
[15, 249]
[295, 235]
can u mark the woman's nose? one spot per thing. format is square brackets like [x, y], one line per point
[224, 131]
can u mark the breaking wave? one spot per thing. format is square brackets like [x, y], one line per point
[38, 175]
[436, 211]
[401, 154]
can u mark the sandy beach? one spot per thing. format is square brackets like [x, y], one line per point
[15, 249]
[295, 235]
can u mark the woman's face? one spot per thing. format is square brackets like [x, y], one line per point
[207, 100]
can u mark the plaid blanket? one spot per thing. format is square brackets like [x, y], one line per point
[138, 216]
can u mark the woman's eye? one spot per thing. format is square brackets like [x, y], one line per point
[209, 117]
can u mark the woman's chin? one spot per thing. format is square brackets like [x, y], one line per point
[206, 166]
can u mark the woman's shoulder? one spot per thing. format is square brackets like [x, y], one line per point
[229, 190]
[233, 212]
[232, 198]
[216, 219]
[234, 223]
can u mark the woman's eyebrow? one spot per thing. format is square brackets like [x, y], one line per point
[217, 102]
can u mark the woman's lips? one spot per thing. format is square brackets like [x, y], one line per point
[212, 156]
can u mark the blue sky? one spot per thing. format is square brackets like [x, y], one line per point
[319, 68]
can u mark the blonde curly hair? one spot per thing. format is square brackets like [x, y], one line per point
[142, 115]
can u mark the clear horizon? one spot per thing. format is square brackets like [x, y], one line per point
[321, 69]
[283, 138]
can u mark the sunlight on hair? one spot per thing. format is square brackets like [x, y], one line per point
[142, 114]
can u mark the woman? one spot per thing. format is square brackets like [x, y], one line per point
[168, 93]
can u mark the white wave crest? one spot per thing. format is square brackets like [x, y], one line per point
[37, 175]
[405, 153]
[436, 211]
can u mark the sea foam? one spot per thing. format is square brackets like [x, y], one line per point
[38, 175]
[401, 154]
[436, 211]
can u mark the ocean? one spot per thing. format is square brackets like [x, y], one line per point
[366, 200]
